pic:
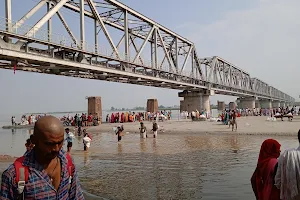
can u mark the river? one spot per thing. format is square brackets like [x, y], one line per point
[187, 166]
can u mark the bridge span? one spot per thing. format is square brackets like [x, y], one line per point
[130, 38]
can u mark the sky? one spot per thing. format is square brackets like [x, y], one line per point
[259, 36]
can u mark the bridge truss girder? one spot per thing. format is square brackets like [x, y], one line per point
[174, 62]
[169, 51]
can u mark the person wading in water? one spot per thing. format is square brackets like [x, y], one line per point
[48, 171]
[155, 129]
[70, 136]
[143, 131]
[233, 120]
[119, 132]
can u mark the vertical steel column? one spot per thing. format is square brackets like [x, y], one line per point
[49, 24]
[193, 62]
[176, 54]
[8, 14]
[96, 36]
[126, 29]
[155, 48]
[8, 18]
[82, 31]
[152, 51]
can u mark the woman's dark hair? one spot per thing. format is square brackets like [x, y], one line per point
[28, 141]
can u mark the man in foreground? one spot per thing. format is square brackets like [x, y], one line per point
[45, 172]
[287, 178]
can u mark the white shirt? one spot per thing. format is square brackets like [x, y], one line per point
[287, 177]
[87, 141]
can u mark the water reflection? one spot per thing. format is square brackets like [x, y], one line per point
[143, 145]
[168, 167]
[120, 149]
[86, 160]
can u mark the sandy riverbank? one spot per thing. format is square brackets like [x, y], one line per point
[246, 125]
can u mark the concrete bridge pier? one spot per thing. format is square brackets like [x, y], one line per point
[152, 105]
[195, 100]
[275, 104]
[221, 106]
[266, 103]
[247, 102]
[257, 104]
[282, 104]
[232, 105]
[95, 107]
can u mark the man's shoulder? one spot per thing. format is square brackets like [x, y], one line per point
[10, 172]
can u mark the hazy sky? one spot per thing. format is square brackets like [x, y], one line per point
[259, 36]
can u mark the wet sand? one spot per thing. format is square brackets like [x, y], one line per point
[253, 125]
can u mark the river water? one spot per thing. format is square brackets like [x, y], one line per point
[187, 166]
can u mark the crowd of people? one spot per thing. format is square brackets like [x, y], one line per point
[137, 116]
[81, 120]
[25, 119]
[77, 120]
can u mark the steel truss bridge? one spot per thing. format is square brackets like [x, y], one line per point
[174, 62]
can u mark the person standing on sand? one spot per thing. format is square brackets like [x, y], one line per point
[47, 167]
[262, 180]
[287, 177]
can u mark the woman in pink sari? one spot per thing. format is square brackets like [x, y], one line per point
[263, 177]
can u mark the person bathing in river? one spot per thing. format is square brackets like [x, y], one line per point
[143, 131]
[69, 138]
[119, 132]
[233, 120]
[86, 140]
[155, 129]
[262, 180]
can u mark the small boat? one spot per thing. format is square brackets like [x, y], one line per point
[28, 126]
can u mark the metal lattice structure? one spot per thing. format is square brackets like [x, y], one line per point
[173, 60]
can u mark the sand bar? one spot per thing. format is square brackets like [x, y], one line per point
[253, 125]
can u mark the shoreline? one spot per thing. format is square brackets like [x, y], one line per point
[253, 125]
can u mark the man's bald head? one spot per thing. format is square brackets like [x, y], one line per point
[48, 137]
[48, 125]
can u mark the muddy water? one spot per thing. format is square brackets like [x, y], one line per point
[187, 166]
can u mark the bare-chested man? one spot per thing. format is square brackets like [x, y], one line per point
[47, 166]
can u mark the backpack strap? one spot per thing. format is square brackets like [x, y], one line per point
[70, 167]
[22, 174]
